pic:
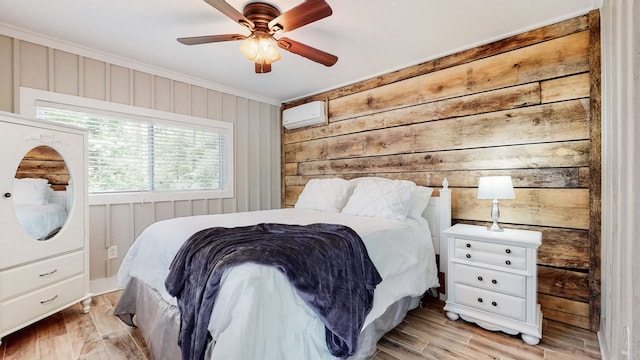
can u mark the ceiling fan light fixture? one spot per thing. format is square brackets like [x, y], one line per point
[260, 48]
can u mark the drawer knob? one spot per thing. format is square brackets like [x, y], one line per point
[468, 245]
[480, 300]
[479, 278]
[468, 256]
[7, 195]
[508, 262]
[494, 281]
[494, 303]
[508, 251]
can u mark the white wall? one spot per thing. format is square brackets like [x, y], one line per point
[620, 318]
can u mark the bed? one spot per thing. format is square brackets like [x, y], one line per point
[40, 211]
[257, 314]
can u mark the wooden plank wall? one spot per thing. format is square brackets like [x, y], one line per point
[526, 106]
[44, 162]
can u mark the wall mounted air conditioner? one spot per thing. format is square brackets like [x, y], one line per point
[311, 113]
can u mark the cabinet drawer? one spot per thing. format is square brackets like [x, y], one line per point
[514, 257]
[496, 303]
[500, 249]
[23, 309]
[510, 284]
[25, 278]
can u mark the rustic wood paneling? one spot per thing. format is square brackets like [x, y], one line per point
[43, 162]
[595, 230]
[559, 57]
[522, 106]
[535, 36]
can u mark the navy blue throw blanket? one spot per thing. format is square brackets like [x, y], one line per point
[328, 265]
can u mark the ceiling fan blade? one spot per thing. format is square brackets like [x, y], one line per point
[307, 51]
[195, 40]
[231, 12]
[303, 14]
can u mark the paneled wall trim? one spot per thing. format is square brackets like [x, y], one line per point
[526, 106]
[40, 65]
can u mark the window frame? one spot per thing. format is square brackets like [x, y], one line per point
[31, 98]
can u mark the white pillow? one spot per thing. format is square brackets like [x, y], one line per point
[29, 191]
[419, 201]
[324, 194]
[377, 197]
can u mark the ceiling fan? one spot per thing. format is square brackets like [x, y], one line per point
[264, 21]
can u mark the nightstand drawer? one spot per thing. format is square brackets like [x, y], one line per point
[505, 283]
[22, 279]
[501, 304]
[499, 249]
[512, 257]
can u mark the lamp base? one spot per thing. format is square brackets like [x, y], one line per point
[495, 215]
[495, 227]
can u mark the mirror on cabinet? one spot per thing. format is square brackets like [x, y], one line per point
[42, 193]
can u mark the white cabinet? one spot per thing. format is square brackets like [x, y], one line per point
[41, 274]
[492, 279]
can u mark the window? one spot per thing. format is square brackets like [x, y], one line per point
[138, 154]
[129, 153]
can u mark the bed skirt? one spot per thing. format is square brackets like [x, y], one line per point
[159, 321]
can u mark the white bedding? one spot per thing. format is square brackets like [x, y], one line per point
[40, 220]
[257, 314]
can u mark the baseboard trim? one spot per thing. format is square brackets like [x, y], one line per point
[103, 286]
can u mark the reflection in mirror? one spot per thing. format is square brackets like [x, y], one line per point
[42, 193]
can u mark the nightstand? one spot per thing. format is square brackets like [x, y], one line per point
[492, 279]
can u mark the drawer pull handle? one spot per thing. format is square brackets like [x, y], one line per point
[494, 303]
[48, 300]
[494, 281]
[49, 273]
[468, 256]
[479, 278]
[479, 300]
[508, 251]
[508, 262]
[7, 195]
[468, 245]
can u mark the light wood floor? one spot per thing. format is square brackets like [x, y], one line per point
[426, 333]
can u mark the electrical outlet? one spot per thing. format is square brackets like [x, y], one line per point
[112, 252]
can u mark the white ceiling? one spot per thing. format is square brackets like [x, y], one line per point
[370, 37]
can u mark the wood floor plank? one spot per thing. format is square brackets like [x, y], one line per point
[102, 314]
[22, 344]
[426, 333]
[399, 352]
[121, 346]
[407, 340]
[82, 331]
[98, 354]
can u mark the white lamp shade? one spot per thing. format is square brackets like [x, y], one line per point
[495, 187]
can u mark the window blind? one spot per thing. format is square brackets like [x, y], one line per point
[138, 154]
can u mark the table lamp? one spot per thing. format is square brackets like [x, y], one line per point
[495, 188]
